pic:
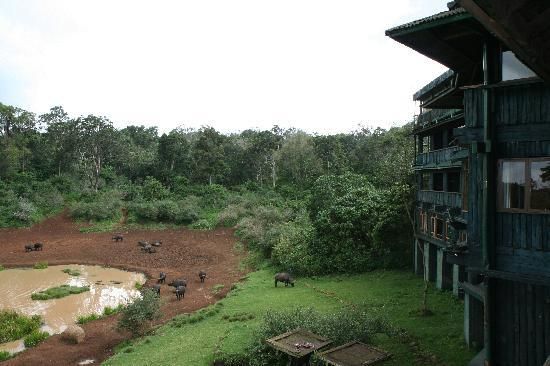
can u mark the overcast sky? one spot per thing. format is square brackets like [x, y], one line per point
[321, 66]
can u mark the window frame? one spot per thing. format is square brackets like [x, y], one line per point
[527, 197]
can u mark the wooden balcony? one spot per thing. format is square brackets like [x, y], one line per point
[449, 199]
[434, 117]
[437, 159]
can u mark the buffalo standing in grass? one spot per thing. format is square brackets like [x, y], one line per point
[284, 277]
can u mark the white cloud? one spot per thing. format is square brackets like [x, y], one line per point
[318, 65]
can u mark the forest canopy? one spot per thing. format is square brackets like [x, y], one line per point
[313, 203]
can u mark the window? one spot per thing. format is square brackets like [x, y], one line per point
[438, 228]
[514, 192]
[423, 221]
[438, 141]
[540, 185]
[513, 69]
[425, 182]
[438, 182]
[453, 181]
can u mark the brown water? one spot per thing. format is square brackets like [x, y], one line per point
[108, 287]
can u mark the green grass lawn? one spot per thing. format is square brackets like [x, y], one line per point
[393, 295]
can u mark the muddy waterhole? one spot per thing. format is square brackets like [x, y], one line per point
[109, 287]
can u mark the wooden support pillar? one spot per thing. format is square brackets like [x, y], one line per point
[427, 261]
[473, 322]
[456, 279]
[418, 258]
[444, 272]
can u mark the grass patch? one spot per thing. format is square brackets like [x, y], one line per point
[4, 356]
[107, 311]
[83, 319]
[195, 317]
[59, 292]
[216, 289]
[138, 285]
[71, 272]
[2, 267]
[35, 338]
[388, 295]
[40, 265]
[14, 326]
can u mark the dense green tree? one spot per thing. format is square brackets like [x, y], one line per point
[297, 161]
[208, 156]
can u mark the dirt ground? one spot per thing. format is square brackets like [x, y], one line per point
[182, 255]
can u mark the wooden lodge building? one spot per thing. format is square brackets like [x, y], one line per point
[483, 169]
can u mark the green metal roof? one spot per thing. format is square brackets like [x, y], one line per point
[436, 19]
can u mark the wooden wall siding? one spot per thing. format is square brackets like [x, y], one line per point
[523, 231]
[438, 159]
[451, 199]
[521, 105]
[522, 321]
[511, 105]
[473, 108]
[524, 261]
[524, 149]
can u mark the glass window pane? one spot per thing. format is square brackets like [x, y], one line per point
[437, 182]
[512, 68]
[513, 184]
[425, 182]
[540, 185]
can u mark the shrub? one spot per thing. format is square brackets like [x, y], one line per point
[110, 311]
[14, 326]
[25, 211]
[40, 265]
[292, 252]
[138, 314]
[98, 207]
[153, 190]
[231, 215]
[1, 268]
[202, 224]
[341, 327]
[4, 355]
[58, 292]
[35, 338]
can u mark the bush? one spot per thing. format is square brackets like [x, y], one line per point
[14, 326]
[231, 215]
[153, 190]
[341, 327]
[98, 207]
[35, 338]
[25, 211]
[292, 252]
[359, 227]
[138, 314]
[4, 355]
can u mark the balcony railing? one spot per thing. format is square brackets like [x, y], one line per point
[436, 116]
[449, 199]
[441, 158]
